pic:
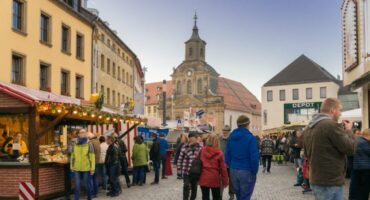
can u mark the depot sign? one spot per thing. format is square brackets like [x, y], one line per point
[302, 105]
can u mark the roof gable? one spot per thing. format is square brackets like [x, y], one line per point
[301, 70]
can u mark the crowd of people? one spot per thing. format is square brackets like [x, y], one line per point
[320, 153]
[104, 158]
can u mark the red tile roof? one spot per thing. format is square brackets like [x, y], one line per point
[236, 96]
[151, 91]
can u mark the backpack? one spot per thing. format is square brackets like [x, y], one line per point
[196, 168]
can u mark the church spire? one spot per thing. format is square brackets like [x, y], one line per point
[195, 35]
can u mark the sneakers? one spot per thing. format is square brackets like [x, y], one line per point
[297, 184]
[264, 170]
[154, 183]
[164, 177]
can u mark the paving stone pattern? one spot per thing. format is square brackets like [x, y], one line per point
[274, 186]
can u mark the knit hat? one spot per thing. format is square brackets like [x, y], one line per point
[226, 128]
[242, 120]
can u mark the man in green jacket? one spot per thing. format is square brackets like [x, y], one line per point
[83, 163]
[326, 145]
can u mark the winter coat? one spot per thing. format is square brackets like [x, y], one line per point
[103, 152]
[214, 173]
[223, 143]
[83, 157]
[326, 145]
[242, 151]
[267, 147]
[155, 151]
[163, 146]
[186, 157]
[112, 157]
[295, 145]
[178, 151]
[361, 159]
[96, 144]
[139, 155]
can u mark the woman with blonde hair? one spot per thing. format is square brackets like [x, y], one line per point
[360, 177]
[214, 174]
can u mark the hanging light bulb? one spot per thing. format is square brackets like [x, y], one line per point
[75, 112]
[100, 117]
[93, 115]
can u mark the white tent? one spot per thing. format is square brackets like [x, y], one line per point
[353, 115]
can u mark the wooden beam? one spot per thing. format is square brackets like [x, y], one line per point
[34, 122]
[42, 132]
[127, 131]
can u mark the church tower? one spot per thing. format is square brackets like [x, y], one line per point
[195, 47]
[194, 76]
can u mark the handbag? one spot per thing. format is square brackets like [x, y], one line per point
[196, 167]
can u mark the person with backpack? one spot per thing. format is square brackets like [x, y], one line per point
[267, 149]
[243, 159]
[188, 153]
[213, 175]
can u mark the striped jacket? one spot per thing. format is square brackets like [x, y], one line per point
[186, 157]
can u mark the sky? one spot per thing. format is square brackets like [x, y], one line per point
[249, 41]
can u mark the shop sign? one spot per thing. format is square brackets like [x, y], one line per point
[300, 112]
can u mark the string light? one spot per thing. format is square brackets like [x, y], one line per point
[92, 115]
[84, 113]
[75, 112]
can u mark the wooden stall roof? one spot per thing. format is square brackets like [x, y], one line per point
[31, 96]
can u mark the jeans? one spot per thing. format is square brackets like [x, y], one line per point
[327, 193]
[86, 182]
[360, 185]
[156, 166]
[243, 182]
[102, 172]
[113, 179]
[95, 182]
[216, 193]
[139, 174]
[268, 160]
[297, 162]
[163, 161]
[192, 185]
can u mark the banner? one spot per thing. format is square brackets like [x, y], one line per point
[147, 132]
[139, 104]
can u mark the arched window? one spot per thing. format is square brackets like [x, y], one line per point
[178, 87]
[200, 86]
[190, 51]
[188, 86]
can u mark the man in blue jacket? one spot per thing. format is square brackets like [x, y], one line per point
[242, 158]
[163, 146]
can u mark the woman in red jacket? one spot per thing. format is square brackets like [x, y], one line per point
[214, 174]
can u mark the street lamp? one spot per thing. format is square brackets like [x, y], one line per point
[164, 88]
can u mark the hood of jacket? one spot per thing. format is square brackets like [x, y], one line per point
[316, 118]
[210, 152]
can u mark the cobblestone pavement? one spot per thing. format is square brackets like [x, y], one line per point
[274, 186]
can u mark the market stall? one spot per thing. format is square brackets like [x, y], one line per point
[34, 131]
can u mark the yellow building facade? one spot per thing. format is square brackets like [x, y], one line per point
[45, 44]
[114, 67]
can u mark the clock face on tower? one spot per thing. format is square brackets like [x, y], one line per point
[189, 73]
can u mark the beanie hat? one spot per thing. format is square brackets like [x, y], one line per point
[242, 120]
[226, 128]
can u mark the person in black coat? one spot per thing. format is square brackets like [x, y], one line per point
[155, 157]
[112, 165]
